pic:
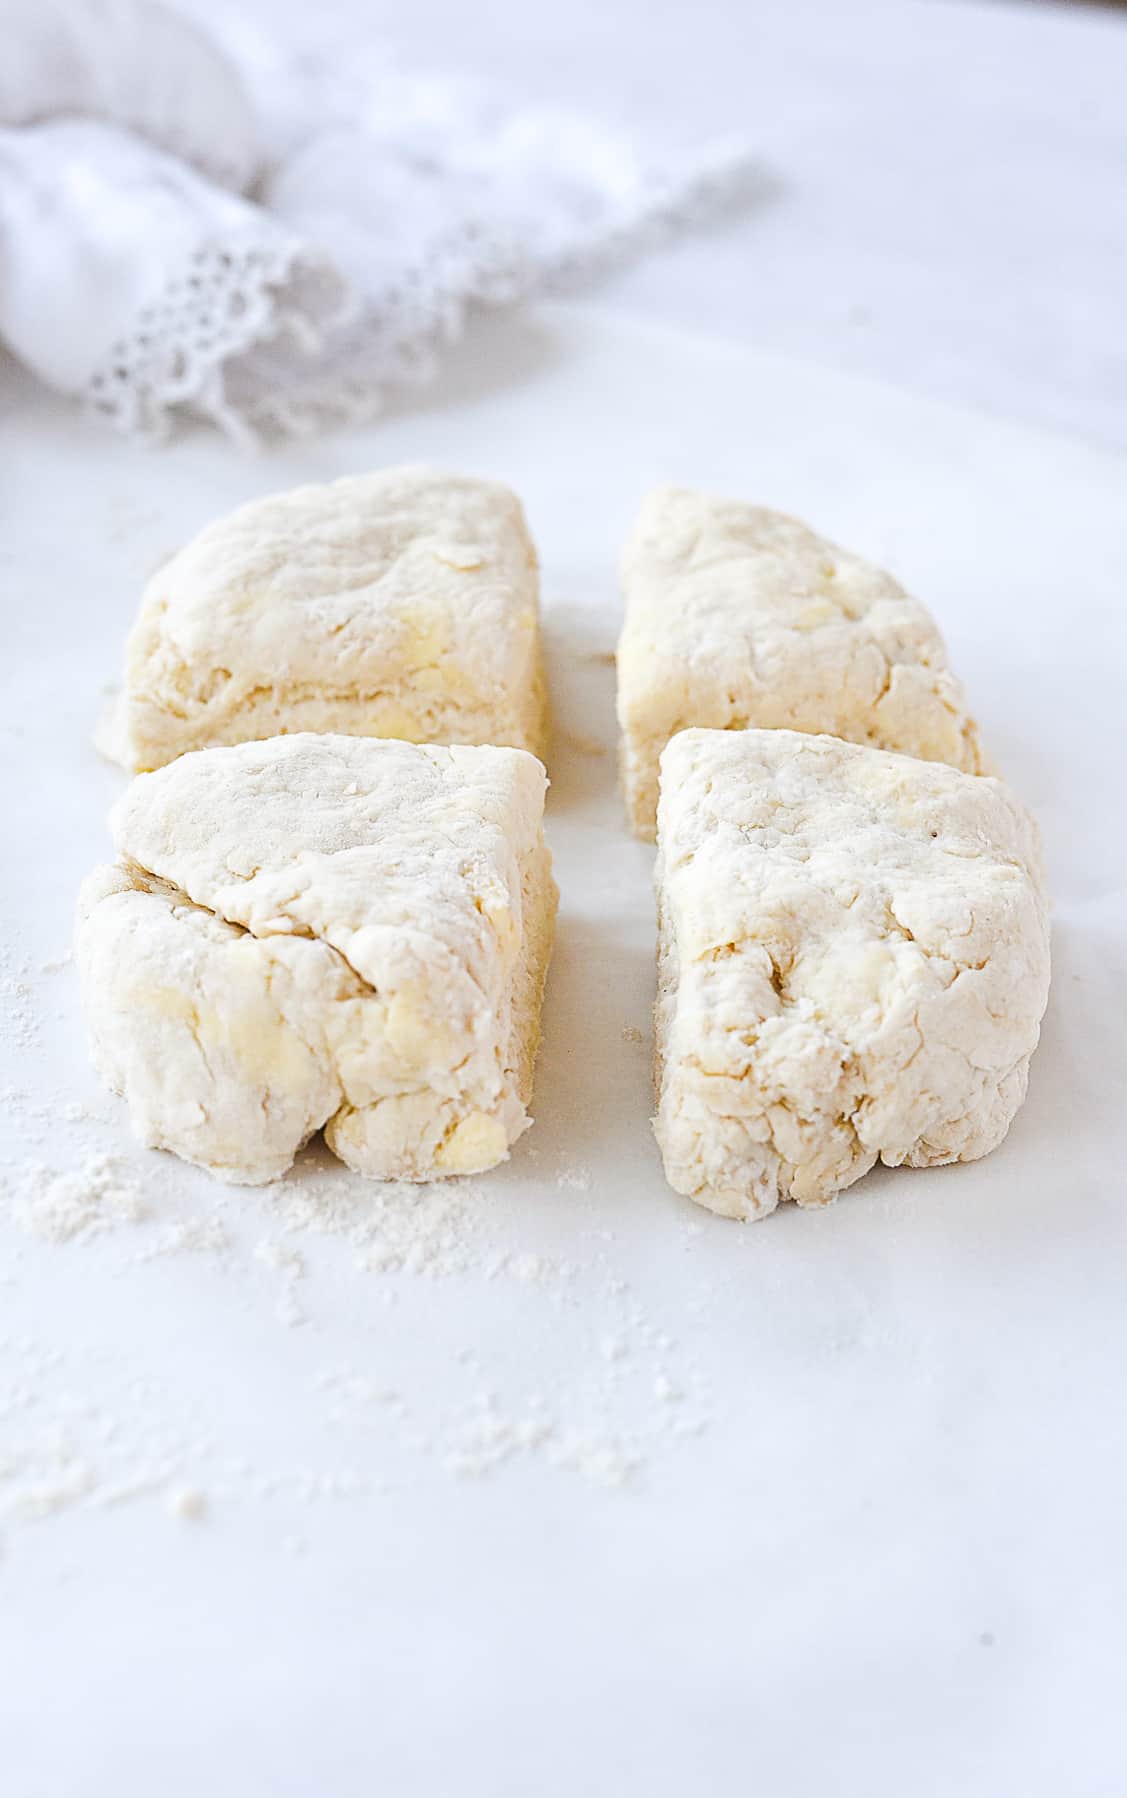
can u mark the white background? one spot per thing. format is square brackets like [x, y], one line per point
[890, 1562]
[944, 194]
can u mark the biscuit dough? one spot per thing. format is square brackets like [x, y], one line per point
[398, 604]
[324, 931]
[738, 616]
[853, 964]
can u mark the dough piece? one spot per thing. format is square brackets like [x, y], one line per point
[399, 604]
[853, 964]
[324, 931]
[737, 616]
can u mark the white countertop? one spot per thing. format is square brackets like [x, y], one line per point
[874, 1546]
[868, 1540]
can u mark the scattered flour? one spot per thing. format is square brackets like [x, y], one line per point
[61, 1206]
[604, 1460]
[41, 1476]
[577, 1178]
[290, 1263]
[396, 1227]
[527, 1267]
[488, 1438]
[188, 1236]
[610, 1409]
[19, 1020]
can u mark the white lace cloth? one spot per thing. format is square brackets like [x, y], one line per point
[272, 244]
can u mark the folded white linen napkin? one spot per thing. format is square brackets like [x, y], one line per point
[274, 243]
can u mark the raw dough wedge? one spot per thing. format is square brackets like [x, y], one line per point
[737, 616]
[398, 604]
[853, 964]
[323, 931]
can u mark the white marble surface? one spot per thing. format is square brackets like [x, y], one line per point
[944, 198]
[891, 1564]
[872, 1545]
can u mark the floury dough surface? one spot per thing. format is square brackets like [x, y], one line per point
[324, 931]
[737, 616]
[853, 965]
[398, 604]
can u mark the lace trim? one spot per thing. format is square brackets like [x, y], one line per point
[396, 344]
[230, 298]
[267, 340]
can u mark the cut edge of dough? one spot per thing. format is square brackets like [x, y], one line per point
[473, 1140]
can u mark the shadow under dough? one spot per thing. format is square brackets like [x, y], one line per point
[594, 1093]
[582, 746]
[498, 350]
